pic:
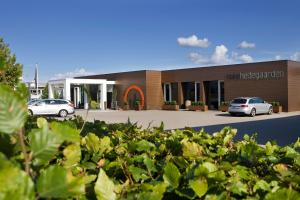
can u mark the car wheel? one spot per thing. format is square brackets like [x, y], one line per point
[30, 113]
[232, 114]
[63, 113]
[253, 112]
[270, 111]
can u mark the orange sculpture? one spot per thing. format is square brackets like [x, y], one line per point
[139, 90]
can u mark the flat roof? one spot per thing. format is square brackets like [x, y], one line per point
[189, 68]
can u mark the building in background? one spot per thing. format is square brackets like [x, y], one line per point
[35, 93]
[272, 81]
[35, 88]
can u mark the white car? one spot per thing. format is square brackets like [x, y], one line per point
[249, 106]
[32, 101]
[58, 107]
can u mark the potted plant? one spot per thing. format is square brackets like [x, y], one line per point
[194, 106]
[137, 105]
[126, 106]
[94, 105]
[224, 106]
[170, 105]
[198, 105]
[277, 108]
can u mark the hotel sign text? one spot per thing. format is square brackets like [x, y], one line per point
[255, 75]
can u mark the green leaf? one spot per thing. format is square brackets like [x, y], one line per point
[284, 193]
[228, 138]
[105, 144]
[221, 196]
[104, 187]
[199, 186]
[149, 164]
[290, 152]
[237, 187]
[41, 122]
[57, 182]
[2, 63]
[44, 145]
[22, 91]
[151, 192]
[138, 173]
[66, 132]
[171, 175]
[92, 142]
[261, 185]
[270, 148]
[144, 145]
[14, 183]
[282, 169]
[191, 150]
[186, 193]
[205, 168]
[13, 110]
[243, 172]
[72, 155]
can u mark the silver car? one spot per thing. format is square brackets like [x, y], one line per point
[249, 106]
[58, 107]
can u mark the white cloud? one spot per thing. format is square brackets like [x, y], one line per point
[278, 57]
[220, 55]
[75, 73]
[246, 45]
[245, 58]
[193, 41]
[296, 56]
[198, 58]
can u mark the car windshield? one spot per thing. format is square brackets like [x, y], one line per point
[32, 101]
[239, 101]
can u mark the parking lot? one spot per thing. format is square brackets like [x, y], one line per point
[283, 127]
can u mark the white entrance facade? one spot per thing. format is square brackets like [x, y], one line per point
[65, 85]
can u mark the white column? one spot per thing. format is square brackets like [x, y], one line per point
[76, 96]
[67, 89]
[50, 91]
[85, 98]
[103, 96]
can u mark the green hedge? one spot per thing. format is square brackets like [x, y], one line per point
[64, 160]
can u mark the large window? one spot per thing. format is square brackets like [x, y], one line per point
[188, 90]
[221, 95]
[212, 94]
[197, 94]
[167, 92]
[174, 92]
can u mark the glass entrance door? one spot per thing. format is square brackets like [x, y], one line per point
[214, 93]
[211, 94]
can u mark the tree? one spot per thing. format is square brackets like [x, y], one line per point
[10, 70]
[45, 92]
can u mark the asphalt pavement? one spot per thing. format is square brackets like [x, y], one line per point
[284, 128]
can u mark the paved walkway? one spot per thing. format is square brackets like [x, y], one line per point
[283, 127]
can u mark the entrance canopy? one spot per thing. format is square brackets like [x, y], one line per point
[66, 83]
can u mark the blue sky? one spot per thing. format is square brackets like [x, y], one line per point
[79, 37]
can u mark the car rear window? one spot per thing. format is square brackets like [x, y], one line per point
[61, 102]
[239, 101]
